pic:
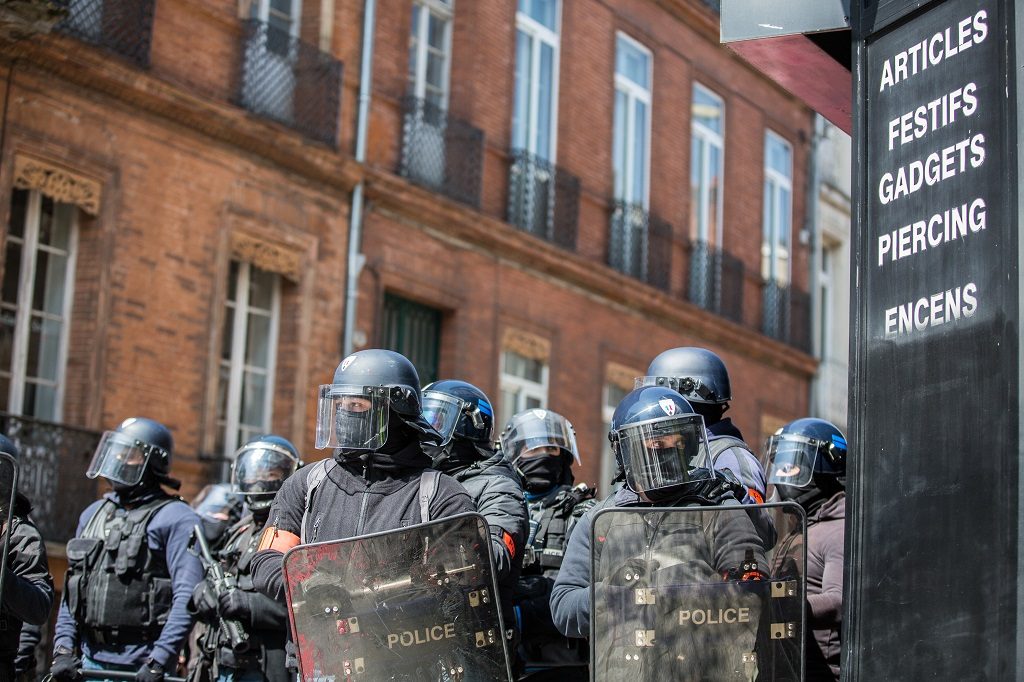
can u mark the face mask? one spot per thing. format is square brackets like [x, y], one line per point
[541, 472]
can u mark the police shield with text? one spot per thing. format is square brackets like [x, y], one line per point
[417, 604]
[669, 577]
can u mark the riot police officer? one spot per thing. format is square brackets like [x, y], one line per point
[807, 465]
[541, 444]
[463, 415]
[660, 444]
[130, 574]
[700, 376]
[379, 477]
[260, 468]
[28, 591]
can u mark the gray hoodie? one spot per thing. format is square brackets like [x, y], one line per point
[825, 538]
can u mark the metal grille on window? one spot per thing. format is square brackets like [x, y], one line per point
[543, 199]
[640, 244]
[414, 330]
[122, 26]
[441, 152]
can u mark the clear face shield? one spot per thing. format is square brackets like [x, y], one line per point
[663, 453]
[442, 411]
[691, 388]
[537, 433]
[352, 417]
[121, 459]
[791, 459]
[259, 470]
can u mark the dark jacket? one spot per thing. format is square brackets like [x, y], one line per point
[825, 538]
[349, 502]
[28, 594]
[169, 533]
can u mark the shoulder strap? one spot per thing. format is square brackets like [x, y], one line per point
[130, 551]
[317, 473]
[90, 526]
[746, 473]
[720, 444]
[428, 488]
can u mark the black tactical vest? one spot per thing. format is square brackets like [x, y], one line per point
[554, 523]
[117, 589]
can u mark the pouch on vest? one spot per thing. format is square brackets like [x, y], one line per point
[83, 555]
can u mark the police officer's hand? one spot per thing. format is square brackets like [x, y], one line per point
[151, 671]
[203, 602]
[634, 572]
[65, 668]
[235, 605]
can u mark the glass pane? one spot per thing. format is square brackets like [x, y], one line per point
[533, 403]
[12, 273]
[5, 390]
[544, 12]
[45, 220]
[40, 402]
[233, 280]
[228, 337]
[698, 210]
[769, 211]
[717, 171]
[513, 364]
[640, 153]
[707, 109]
[777, 155]
[257, 341]
[59, 236]
[282, 6]
[254, 394]
[435, 70]
[19, 205]
[785, 217]
[436, 27]
[48, 290]
[43, 348]
[619, 144]
[632, 63]
[614, 394]
[521, 95]
[8, 318]
[224, 378]
[261, 288]
[545, 101]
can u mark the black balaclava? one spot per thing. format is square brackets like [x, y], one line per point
[811, 498]
[142, 491]
[545, 472]
[458, 455]
[401, 451]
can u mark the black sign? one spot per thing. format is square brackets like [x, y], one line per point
[933, 580]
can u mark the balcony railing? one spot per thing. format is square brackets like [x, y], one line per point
[543, 199]
[640, 244]
[289, 81]
[53, 462]
[122, 26]
[786, 315]
[441, 152]
[716, 281]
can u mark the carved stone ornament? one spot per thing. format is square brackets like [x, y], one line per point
[267, 256]
[58, 183]
[621, 376]
[526, 344]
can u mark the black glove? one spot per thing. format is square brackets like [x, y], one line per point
[65, 668]
[203, 602]
[235, 605]
[719, 489]
[151, 671]
[635, 572]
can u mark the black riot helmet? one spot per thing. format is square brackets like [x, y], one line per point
[261, 467]
[541, 446]
[458, 410]
[659, 443]
[696, 373]
[807, 460]
[138, 448]
[373, 390]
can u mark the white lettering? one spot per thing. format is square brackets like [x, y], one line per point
[932, 311]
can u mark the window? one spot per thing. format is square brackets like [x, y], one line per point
[271, 56]
[35, 304]
[632, 127]
[414, 330]
[778, 209]
[534, 111]
[524, 385]
[429, 51]
[248, 356]
[707, 165]
[613, 395]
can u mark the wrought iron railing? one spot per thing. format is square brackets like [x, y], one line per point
[122, 26]
[441, 152]
[786, 315]
[289, 81]
[715, 281]
[640, 244]
[543, 199]
[54, 458]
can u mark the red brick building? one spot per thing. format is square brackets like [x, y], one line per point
[555, 192]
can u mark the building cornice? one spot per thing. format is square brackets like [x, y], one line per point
[435, 213]
[98, 72]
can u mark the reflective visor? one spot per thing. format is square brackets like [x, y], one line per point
[791, 459]
[690, 388]
[119, 459]
[261, 469]
[663, 453]
[442, 411]
[536, 429]
[351, 417]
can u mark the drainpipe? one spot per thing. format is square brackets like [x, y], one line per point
[816, 399]
[355, 224]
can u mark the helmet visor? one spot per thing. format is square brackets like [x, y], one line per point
[260, 469]
[119, 459]
[663, 453]
[352, 417]
[535, 429]
[442, 411]
[791, 459]
[691, 388]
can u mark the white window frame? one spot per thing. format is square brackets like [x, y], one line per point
[541, 35]
[261, 11]
[30, 246]
[237, 364]
[443, 10]
[709, 138]
[779, 183]
[522, 387]
[607, 471]
[634, 91]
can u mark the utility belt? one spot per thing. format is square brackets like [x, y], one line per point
[104, 637]
[546, 558]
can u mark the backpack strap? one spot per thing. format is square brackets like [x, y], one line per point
[317, 473]
[746, 474]
[429, 480]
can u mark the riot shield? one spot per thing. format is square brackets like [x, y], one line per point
[414, 604]
[693, 594]
[8, 488]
